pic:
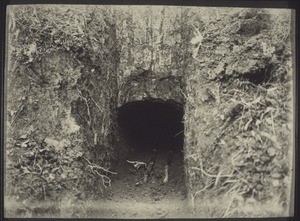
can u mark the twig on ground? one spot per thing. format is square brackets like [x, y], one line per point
[137, 164]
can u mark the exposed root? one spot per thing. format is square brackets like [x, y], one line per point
[106, 181]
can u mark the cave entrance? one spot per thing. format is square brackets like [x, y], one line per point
[150, 124]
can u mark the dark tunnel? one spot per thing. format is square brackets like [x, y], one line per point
[152, 124]
[154, 134]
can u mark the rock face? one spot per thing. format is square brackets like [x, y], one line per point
[149, 85]
[68, 82]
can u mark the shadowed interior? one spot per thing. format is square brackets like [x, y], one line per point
[152, 124]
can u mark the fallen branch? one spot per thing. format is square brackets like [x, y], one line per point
[137, 164]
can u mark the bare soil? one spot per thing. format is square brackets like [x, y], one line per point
[129, 197]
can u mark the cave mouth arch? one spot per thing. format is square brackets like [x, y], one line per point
[145, 125]
[152, 123]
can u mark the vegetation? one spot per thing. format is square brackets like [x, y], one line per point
[67, 73]
[55, 109]
[245, 73]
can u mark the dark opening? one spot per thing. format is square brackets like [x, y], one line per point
[152, 124]
[148, 125]
[258, 77]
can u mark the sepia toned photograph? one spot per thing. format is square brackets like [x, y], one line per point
[149, 112]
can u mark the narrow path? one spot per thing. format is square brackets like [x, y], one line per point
[129, 197]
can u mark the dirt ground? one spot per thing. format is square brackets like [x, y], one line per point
[129, 197]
